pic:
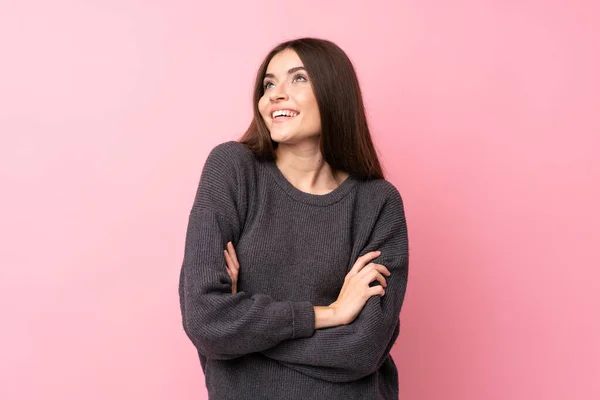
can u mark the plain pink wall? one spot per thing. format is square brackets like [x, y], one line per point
[486, 116]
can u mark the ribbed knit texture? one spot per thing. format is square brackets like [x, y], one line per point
[294, 250]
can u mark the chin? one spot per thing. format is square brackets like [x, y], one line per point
[282, 136]
[291, 134]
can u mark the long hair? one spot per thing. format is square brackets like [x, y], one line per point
[345, 142]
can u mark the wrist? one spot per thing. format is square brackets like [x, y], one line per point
[325, 317]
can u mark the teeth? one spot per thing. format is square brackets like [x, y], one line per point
[286, 113]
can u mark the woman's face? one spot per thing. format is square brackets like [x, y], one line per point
[288, 105]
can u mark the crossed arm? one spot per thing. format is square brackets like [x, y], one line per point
[351, 349]
[225, 325]
[353, 295]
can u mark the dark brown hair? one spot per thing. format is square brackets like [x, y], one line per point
[345, 137]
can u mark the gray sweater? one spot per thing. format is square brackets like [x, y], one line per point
[294, 250]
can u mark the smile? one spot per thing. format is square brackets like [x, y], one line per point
[283, 113]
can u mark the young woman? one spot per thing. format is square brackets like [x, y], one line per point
[296, 255]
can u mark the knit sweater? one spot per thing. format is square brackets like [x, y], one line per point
[294, 250]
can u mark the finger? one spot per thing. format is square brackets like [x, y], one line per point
[363, 260]
[229, 262]
[376, 276]
[227, 258]
[376, 291]
[382, 269]
[368, 268]
[233, 254]
[230, 274]
[374, 267]
[371, 274]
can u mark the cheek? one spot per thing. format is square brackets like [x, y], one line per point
[310, 103]
[306, 100]
[262, 107]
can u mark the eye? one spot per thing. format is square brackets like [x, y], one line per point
[300, 78]
[266, 85]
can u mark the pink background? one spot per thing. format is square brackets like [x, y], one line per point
[486, 116]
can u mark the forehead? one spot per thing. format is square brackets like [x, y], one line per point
[283, 61]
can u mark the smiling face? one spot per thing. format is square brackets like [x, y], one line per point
[288, 105]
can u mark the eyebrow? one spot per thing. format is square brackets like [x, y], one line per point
[290, 71]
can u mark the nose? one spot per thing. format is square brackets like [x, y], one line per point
[278, 93]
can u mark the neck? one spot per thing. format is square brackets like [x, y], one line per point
[305, 167]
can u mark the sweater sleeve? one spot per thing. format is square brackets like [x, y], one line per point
[222, 325]
[350, 352]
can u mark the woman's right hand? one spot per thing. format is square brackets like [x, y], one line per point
[355, 292]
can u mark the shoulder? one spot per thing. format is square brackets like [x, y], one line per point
[225, 179]
[380, 192]
[231, 147]
[386, 211]
[230, 157]
[231, 151]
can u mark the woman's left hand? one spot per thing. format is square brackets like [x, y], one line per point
[233, 266]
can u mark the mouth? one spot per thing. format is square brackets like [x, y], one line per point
[283, 115]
